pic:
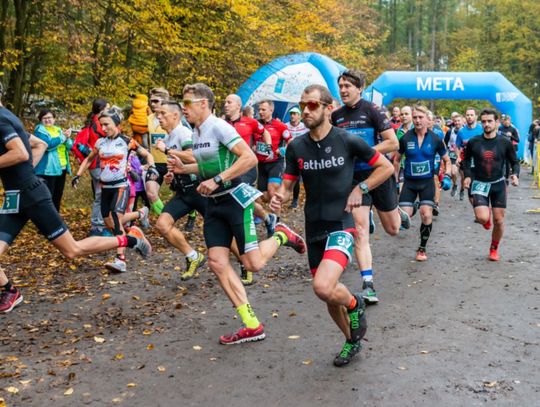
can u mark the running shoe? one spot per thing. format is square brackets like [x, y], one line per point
[270, 224]
[144, 214]
[9, 300]
[368, 293]
[190, 223]
[371, 222]
[95, 231]
[243, 335]
[421, 255]
[105, 232]
[246, 276]
[350, 349]
[435, 209]
[143, 246]
[494, 255]
[461, 194]
[294, 204]
[294, 240]
[453, 190]
[116, 266]
[405, 219]
[192, 266]
[357, 319]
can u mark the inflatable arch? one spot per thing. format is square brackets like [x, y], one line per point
[491, 86]
[284, 79]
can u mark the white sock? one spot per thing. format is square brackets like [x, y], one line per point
[192, 255]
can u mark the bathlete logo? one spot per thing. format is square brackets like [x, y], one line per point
[439, 83]
[321, 164]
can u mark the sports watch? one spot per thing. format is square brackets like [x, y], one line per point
[363, 187]
[218, 180]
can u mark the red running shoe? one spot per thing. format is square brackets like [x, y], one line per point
[494, 255]
[143, 246]
[294, 240]
[9, 300]
[243, 335]
[421, 255]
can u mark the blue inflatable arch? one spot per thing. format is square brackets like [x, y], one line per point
[284, 79]
[491, 86]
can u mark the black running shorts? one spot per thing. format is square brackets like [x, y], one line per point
[184, 202]
[496, 196]
[114, 200]
[423, 189]
[384, 197]
[270, 173]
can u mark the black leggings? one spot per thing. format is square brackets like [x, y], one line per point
[56, 183]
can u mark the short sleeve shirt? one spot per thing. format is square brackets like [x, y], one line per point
[420, 159]
[113, 159]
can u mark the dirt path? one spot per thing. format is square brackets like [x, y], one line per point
[455, 331]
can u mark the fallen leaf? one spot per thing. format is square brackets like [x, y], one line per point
[266, 285]
[294, 337]
[490, 384]
[307, 362]
[402, 368]
[132, 385]
[99, 339]
[117, 400]
[87, 326]
[275, 314]
[106, 296]
[212, 359]
[147, 332]
[12, 389]
[424, 352]
[25, 382]
[161, 369]
[68, 392]
[136, 297]
[119, 356]
[197, 347]
[2, 402]
[149, 346]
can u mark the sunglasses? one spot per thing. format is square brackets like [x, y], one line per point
[155, 100]
[189, 102]
[311, 105]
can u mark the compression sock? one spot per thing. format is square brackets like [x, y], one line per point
[121, 257]
[248, 316]
[425, 231]
[281, 238]
[192, 255]
[367, 275]
[352, 304]
[126, 241]
[494, 245]
[9, 287]
[157, 206]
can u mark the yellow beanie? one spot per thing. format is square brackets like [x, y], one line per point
[139, 116]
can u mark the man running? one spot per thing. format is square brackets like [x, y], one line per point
[365, 120]
[420, 145]
[179, 142]
[486, 179]
[297, 128]
[325, 159]
[472, 128]
[222, 157]
[450, 140]
[26, 197]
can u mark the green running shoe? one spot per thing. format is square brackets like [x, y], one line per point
[350, 349]
[192, 266]
[368, 293]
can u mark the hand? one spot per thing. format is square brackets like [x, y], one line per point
[515, 180]
[276, 202]
[67, 133]
[168, 178]
[467, 183]
[175, 165]
[160, 145]
[354, 200]
[75, 181]
[207, 187]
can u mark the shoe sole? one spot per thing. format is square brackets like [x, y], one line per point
[244, 340]
[347, 362]
[17, 302]
[114, 269]
[370, 300]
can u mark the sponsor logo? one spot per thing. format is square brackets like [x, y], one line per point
[206, 144]
[328, 150]
[321, 164]
[411, 145]
[439, 83]
[506, 96]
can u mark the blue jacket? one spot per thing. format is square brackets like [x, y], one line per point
[50, 162]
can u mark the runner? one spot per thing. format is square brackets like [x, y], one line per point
[471, 129]
[365, 120]
[222, 157]
[486, 179]
[296, 128]
[325, 159]
[406, 125]
[27, 198]
[113, 152]
[420, 145]
[437, 167]
[179, 142]
[450, 140]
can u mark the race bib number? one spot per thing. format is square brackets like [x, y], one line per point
[154, 137]
[421, 168]
[245, 194]
[480, 188]
[452, 155]
[342, 241]
[11, 202]
[262, 148]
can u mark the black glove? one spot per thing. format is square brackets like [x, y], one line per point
[152, 174]
[75, 181]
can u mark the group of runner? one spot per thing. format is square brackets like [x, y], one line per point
[349, 160]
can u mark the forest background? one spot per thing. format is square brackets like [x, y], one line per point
[64, 53]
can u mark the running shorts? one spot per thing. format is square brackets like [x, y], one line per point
[270, 173]
[114, 200]
[183, 203]
[384, 197]
[496, 196]
[424, 189]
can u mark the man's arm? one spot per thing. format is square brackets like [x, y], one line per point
[283, 194]
[38, 147]
[16, 153]
[390, 142]
[397, 164]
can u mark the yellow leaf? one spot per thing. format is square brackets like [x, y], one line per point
[490, 384]
[119, 356]
[68, 392]
[25, 382]
[212, 359]
[12, 389]
[147, 332]
[106, 296]
[136, 298]
[294, 337]
[424, 352]
[87, 326]
[161, 369]
[197, 347]
[275, 314]
[99, 339]
[149, 346]
[2, 402]
[132, 385]
[307, 362]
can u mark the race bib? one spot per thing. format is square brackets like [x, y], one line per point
[480, 188]
[342, 241]
[11, 202]
[452, 155]
[421, 168]
[262, 148]
[154, 137]
[245, 194]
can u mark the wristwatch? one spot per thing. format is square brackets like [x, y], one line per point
[363, 187]
[167, 149]
[218, 180]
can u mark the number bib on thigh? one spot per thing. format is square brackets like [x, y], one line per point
[342, 241]
[452, 155]
[245, 194]
[420, 168]
[11, 202]
[480, 188]
[262, 148]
